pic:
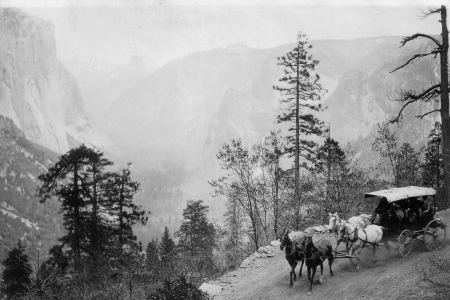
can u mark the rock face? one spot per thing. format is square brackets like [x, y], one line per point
[36, 91]
[21, 214]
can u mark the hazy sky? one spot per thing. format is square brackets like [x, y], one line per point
[163, 30]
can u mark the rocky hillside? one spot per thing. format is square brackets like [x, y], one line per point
[21, 214]
[36, 91]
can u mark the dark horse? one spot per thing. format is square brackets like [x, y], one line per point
[315, 256]
[294, 254]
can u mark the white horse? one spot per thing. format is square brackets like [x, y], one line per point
[359, 237]
[361, 221]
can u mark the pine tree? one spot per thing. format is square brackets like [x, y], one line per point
[385, 144]
[408, 165]
[17, 272]
[66, 181]
[234, 224]
[120, 191]
[168, 255]
[332, 163]
[301, 92]
[167, 246]
[152, 255]
[197, 239]
[432, 167]
[93, 184]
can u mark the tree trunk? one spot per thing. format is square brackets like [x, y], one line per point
[95, 223]
[297, 142]
[76, 219]
[276, 209]
[121, 218]
[445, 108]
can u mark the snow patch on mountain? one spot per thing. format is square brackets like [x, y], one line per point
[10, 211]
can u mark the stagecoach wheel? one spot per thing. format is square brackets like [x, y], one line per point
[356, 253]
[434, 235]
[405, 243]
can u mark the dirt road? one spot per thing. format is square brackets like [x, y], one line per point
[388, 277]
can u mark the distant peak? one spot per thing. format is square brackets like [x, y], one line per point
[237, 47]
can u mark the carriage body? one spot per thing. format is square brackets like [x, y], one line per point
[408, 214]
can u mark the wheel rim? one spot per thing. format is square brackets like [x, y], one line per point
[405, 243]
[434, 238]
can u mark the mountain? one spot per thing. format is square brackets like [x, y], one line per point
[36, 91]
[100, 82]
[21, 214]
[189, 107]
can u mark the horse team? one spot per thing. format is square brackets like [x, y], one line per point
[356, 233]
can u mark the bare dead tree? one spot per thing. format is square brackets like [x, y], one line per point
[435, 92]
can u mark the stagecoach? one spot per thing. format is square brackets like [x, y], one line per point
[408, 214]
[405, 214]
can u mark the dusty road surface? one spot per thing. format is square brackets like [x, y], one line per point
[387, 277]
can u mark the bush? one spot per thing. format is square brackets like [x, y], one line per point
[179, 289]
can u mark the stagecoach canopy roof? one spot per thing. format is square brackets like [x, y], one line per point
[396, 194]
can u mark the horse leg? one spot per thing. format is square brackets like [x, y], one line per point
[309, 272]
[312, 279]
[330, 262]
[337, 244]
[301, 267]
[293, 265]
[321, 273]
[293, 270]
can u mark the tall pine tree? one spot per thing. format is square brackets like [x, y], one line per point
[94, 181]
[67, 182]
[300, 92]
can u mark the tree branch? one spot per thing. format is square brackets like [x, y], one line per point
[428, 113]
[415, 36]
[435, 52]
[431, 11]
[408, 98]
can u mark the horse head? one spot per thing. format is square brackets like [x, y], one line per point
[284, 240]
[344, 230]
[333, 220]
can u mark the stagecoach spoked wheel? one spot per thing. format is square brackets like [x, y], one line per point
[405, 243]
[355, 259]
[434, 235]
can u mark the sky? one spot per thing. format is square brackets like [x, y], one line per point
[159, 31]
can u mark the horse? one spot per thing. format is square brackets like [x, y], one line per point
[359, 237]
[361, 221]
[315, 256]
[294, 253]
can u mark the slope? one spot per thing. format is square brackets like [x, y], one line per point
[388, 277]
[21, 214]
